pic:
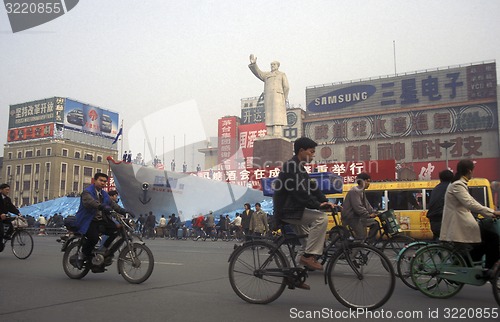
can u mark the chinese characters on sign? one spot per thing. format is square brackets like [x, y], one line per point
[379, 170]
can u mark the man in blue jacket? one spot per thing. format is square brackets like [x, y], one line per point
[92, 217]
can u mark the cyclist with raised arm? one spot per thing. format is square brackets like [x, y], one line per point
[297, 200]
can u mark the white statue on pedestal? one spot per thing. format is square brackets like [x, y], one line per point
[275, 96]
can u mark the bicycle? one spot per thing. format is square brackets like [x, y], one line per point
[389, 239]
[21, 241]
[135, 260]
[441, 270]
[404, 259]
[358, 275]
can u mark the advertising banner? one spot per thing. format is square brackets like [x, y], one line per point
[379, 170]
[247, 135]
[43, 111]
[88, 118]
[418, 89]
[228, 145]
[31, 132]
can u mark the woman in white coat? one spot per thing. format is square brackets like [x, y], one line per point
[459, 225]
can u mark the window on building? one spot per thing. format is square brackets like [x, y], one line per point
[10, 155]
[88, 157]
[77, 154]
[19, 155]
[27, 169]
[38, 152]
[26, 201]
[49, 151]
[47, 167]
[63, 167]
[98, 170]
[99, 158]
[9, 170]
[75, 186]
[63, 184]
[35, 185]
[46, 185]
[76, 170]
[26, 185]
[37, 168]
[18, 169]
[17, 186]
[87, 172]
[64, 152]
[28, 154]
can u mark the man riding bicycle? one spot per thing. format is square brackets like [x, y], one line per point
[297, 200]
[6, 206]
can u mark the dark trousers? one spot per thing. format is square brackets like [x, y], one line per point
[105, 227]
[7, 222]
[488, 246]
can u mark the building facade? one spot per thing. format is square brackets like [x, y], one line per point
[54, 148]
[424, 120]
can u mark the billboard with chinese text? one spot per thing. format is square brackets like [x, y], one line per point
[228, 141]
[419, 89]
[49, 110]
[379, 170]
[248, 133]
[31, 132]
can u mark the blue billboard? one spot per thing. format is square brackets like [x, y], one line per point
[87, 118]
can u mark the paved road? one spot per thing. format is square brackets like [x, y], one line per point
[189, 283]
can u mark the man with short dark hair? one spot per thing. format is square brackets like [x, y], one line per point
[6, 206]
[92, 216]
[357, 211]
[297, 200]
[436, 202]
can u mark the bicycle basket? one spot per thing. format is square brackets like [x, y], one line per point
[389, 222]
[19, 222]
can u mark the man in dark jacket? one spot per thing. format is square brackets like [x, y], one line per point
[246, 218]
[297, 200]
[6, 206]
[436, 203]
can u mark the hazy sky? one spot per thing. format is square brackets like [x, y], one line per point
[138, 57]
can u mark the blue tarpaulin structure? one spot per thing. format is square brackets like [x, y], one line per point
[64, 205]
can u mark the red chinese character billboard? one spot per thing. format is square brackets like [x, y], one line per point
[31, 132]
[228, 144]
[248, 133]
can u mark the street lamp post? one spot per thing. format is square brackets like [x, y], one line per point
[446, 145]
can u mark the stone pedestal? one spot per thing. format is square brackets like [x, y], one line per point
[271, 152]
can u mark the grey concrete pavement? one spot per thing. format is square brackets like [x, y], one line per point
[190, 283]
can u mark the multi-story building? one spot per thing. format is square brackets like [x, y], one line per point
[54, 148]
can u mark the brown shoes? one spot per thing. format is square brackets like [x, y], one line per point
[311, 263]
[303, 286]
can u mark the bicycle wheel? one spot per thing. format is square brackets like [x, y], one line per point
[495, 283]
[360, 276]
[426, 269]
[255, 275]
[22, 244]
[136, 265]
[403, 263]
[69, 259]
[392, 246]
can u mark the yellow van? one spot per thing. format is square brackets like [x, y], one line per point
[410, 199]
